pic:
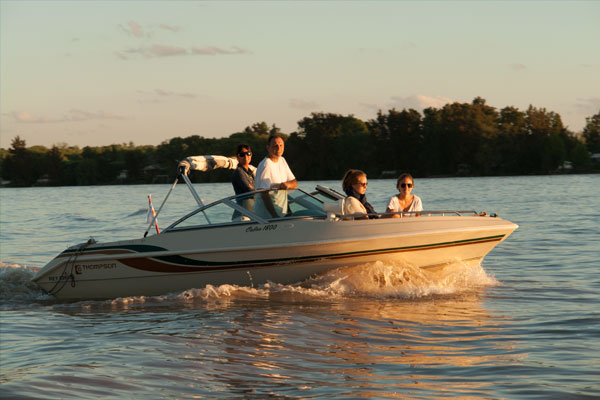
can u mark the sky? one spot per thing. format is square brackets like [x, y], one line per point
[93, 73]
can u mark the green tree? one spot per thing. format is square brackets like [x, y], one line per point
[432, 151]
[486, 160]
[334, 143]
[545, 149]
[580, 157]
[457, 136]
[18, 165]
[256, 137]
[54, 165]
[591, 133]
[510, 144]
[135, 161]
[398, 140]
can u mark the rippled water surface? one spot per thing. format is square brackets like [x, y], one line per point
[523, 325]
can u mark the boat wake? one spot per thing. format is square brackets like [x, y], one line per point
[372, 280]
[397, 280]
[16, 286]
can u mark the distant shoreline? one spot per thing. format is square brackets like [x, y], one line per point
[459, 139]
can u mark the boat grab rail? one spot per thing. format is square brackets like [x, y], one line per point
[323, 189]
[441, 213]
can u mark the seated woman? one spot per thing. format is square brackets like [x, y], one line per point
[355, 186]
[404, 201]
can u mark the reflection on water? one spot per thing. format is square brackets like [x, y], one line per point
[324, 334]
[401, 338]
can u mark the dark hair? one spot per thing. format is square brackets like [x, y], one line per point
[351, 178]
[241, 147]
[401, 177]
[272, 137]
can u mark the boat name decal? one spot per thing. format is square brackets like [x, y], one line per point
[57, 278]
[79, 268]
[270, 227]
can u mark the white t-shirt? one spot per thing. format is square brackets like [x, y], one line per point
[269, 172]
[394, 204]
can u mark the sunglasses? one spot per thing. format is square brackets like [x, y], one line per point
[406, 185]
[245, 153]
[363, 184]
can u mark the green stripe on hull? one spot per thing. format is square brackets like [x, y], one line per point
[183, 264]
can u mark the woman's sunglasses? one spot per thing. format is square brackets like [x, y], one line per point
[363, 184]
[406, 185]
[245, 153]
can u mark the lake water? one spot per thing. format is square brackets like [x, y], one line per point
[525, 325]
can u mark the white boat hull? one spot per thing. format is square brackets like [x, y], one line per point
[237, 254]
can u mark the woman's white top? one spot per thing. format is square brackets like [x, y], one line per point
[394, 204]
[353, 206]
[348, 206]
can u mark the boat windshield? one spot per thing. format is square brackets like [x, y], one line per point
[254, 207]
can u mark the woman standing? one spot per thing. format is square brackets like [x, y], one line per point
[243, 176]
[243, 180]
[404, 201]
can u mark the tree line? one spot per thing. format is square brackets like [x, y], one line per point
[470, 139]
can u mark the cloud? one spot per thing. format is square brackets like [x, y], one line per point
[73, 115]
[419, 101]
[416, 101]
[166, 93]
[153, 51]
[371, 107]
[518, 67]
[121, 55]
[588, 105]
[159, 51]
[81, 115]
[303, 104]
[133, 29]
[27, 118]
[213, 50]
[169, 27]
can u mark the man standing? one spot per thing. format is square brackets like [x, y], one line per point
[274, 173]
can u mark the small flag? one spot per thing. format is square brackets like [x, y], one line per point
[151, 214]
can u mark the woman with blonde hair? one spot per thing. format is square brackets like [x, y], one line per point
[404, 201]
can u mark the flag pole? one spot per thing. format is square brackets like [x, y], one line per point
[151, 209]
[161, 206]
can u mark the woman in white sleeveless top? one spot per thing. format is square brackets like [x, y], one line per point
[404, 201]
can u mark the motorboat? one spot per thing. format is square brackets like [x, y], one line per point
[242, 240]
